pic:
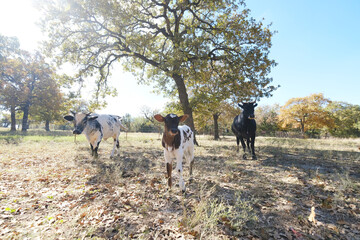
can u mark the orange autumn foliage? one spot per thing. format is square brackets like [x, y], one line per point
[307, 113]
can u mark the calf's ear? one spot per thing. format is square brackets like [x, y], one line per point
[159, 118]
[240, 105]
[255, 104]
[183, 117]
[90, 118]
[69, 118]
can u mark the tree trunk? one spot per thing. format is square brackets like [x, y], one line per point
[13, 118]
[302, 123]
[25, 117]
[47, 125]
[216, 126]
[184, 100]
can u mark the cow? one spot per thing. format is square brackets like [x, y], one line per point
[178, 142]
[96, 127]
[244, 127]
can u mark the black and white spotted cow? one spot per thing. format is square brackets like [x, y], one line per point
[178, 142]
[96, 127]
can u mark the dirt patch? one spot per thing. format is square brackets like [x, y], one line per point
[56, 190]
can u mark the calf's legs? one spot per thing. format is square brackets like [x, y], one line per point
[94, 149]
[168, 162]
[169, 170]
[179, 158]
[116, 144]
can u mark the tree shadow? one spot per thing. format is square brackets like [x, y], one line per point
[128, 164]
[281, 186]
[321, 161]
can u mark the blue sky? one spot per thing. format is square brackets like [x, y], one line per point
[316, 47]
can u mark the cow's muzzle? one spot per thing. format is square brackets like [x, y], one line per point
[76, 131]
[174, 131]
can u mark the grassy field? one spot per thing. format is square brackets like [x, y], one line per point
[51, 188]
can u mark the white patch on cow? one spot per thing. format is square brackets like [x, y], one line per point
[108, 129]
[173, 115]
[79, 117]
[185, 150]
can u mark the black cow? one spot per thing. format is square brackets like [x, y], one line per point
[244, 127]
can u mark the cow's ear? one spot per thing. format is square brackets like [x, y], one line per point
[183, 117]
[255, 104]
[90, 118]
[240, 105]
[69, 118]
[159, 118]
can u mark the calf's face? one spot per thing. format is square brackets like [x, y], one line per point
[171, 122]
[80, 120]
[248, 109]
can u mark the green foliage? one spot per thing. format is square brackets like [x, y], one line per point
[9, 46]
[347, 119]
[28, 84]
[10, 210]
[167, 42]
[267, 119]
[142, 124]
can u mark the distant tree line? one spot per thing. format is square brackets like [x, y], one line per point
[31, 90]
[310, 116]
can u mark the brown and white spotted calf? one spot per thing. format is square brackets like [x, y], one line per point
[178, 142]
[96, 127]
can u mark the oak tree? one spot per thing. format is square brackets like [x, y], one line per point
[347, 119]
[306, 113]
[267, 119]
[49, 103]
[11, 76]
[160, 41]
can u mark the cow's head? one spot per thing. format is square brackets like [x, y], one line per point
[80, 120]
[171, 122]
[248, 109]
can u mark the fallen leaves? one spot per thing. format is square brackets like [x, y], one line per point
[50, 190]
[312, 215]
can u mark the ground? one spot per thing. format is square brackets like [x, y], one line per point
[51, 188]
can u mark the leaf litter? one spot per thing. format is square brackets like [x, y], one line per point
[57, 191]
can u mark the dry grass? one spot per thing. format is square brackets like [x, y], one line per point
[51, 188]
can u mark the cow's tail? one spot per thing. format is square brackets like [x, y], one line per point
[121, 125]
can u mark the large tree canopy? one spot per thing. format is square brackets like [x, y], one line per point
[307, 113]
[165, 40]
[347, 119]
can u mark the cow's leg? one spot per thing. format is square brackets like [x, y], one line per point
[244, 147]
[237, 143]
[168, 167]
[92, 149]
[253, 148]
[96, 155]
[98, 140]
[115, 145]
[191, 159]
[179, 158]
[248, 144]
[95, 140]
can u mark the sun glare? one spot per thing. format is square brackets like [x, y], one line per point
[18, 18]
